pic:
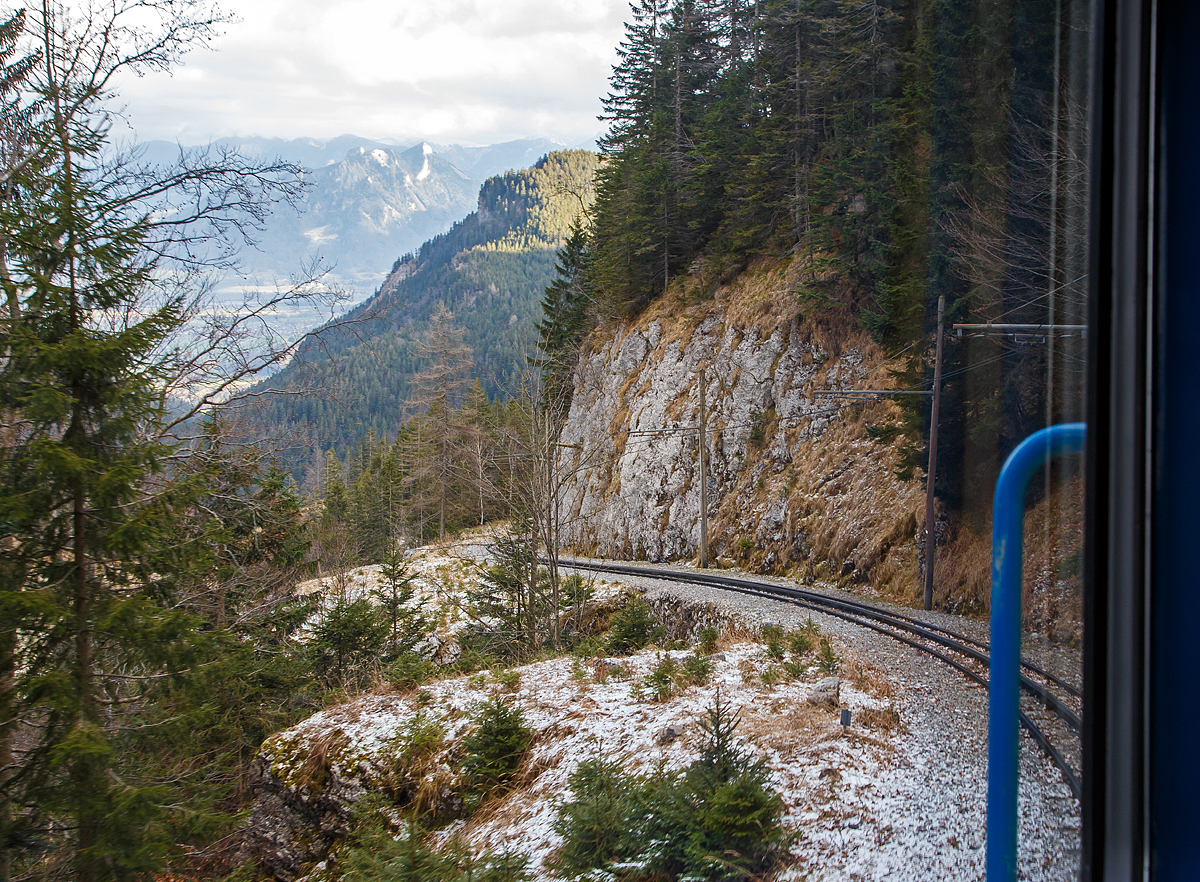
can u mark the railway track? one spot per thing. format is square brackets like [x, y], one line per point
[968, 656]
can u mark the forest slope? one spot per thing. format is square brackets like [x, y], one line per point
[490, 270]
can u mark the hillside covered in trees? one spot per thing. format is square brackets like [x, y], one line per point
[486, 275]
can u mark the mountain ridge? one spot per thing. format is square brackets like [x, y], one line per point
[490, 269]
[357, 215]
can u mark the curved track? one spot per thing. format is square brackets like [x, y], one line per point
[936, 641]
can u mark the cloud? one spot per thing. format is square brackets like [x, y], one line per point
[457, 70]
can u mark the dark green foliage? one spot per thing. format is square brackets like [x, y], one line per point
[509, 603]
[576, 594]
[346, 640]
[883, 434]
[695, 670]
[565, 321]
[594, 822]
[496, 747]
[408, 671]
[668, 676]
[91, 569]
[828, 662]
[376, 854]
[147, 626]
[409, 625]
[772, 636]
[757, 427]
[799, 643]
[632, 628]
[504, 867]
[708, 636]
[661, 678]
[719, 819]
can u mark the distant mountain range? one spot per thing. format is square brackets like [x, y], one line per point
[369, 202]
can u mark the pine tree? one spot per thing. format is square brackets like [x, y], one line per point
[440, 384]
[15, 120]
[633, 209]
[409, 625]
[91, 547]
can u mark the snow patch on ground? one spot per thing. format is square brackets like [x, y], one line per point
[900, 794]
[442, 576]
[829, 776]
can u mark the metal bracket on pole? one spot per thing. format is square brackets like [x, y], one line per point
[1004, 683]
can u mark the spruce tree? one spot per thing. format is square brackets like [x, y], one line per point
[565, 321]
[396, 593]
[100, 286]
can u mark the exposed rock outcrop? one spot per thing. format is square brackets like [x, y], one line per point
[302, 801]
[792, 478]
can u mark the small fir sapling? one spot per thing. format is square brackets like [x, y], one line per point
[408, 624]
[495, 749]
[632, 628]
[828, 662]
[772, 636]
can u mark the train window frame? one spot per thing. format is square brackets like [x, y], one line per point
[1139, 659]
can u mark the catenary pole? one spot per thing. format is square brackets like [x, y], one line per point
[703, 482]
[931, 471]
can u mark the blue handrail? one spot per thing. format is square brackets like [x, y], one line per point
[1004, 696]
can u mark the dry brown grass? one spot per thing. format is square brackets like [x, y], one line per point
[792, 732]
[1052, 598]
[963, 572]
[879, 719]
[320, 751]
[748, 670]
[735, 631]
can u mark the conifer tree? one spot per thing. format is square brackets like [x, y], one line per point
[440, 385]
[99, 284]
[15, 119]
[396, 593]
[565, 319]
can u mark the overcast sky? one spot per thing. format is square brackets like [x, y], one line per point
[464, 71]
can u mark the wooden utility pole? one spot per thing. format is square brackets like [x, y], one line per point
[931, 471]
[703, 483]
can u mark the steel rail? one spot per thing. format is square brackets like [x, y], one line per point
[873, 619]
[958, 642]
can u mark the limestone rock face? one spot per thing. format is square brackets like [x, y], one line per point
[293, 825]
[632, 474]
